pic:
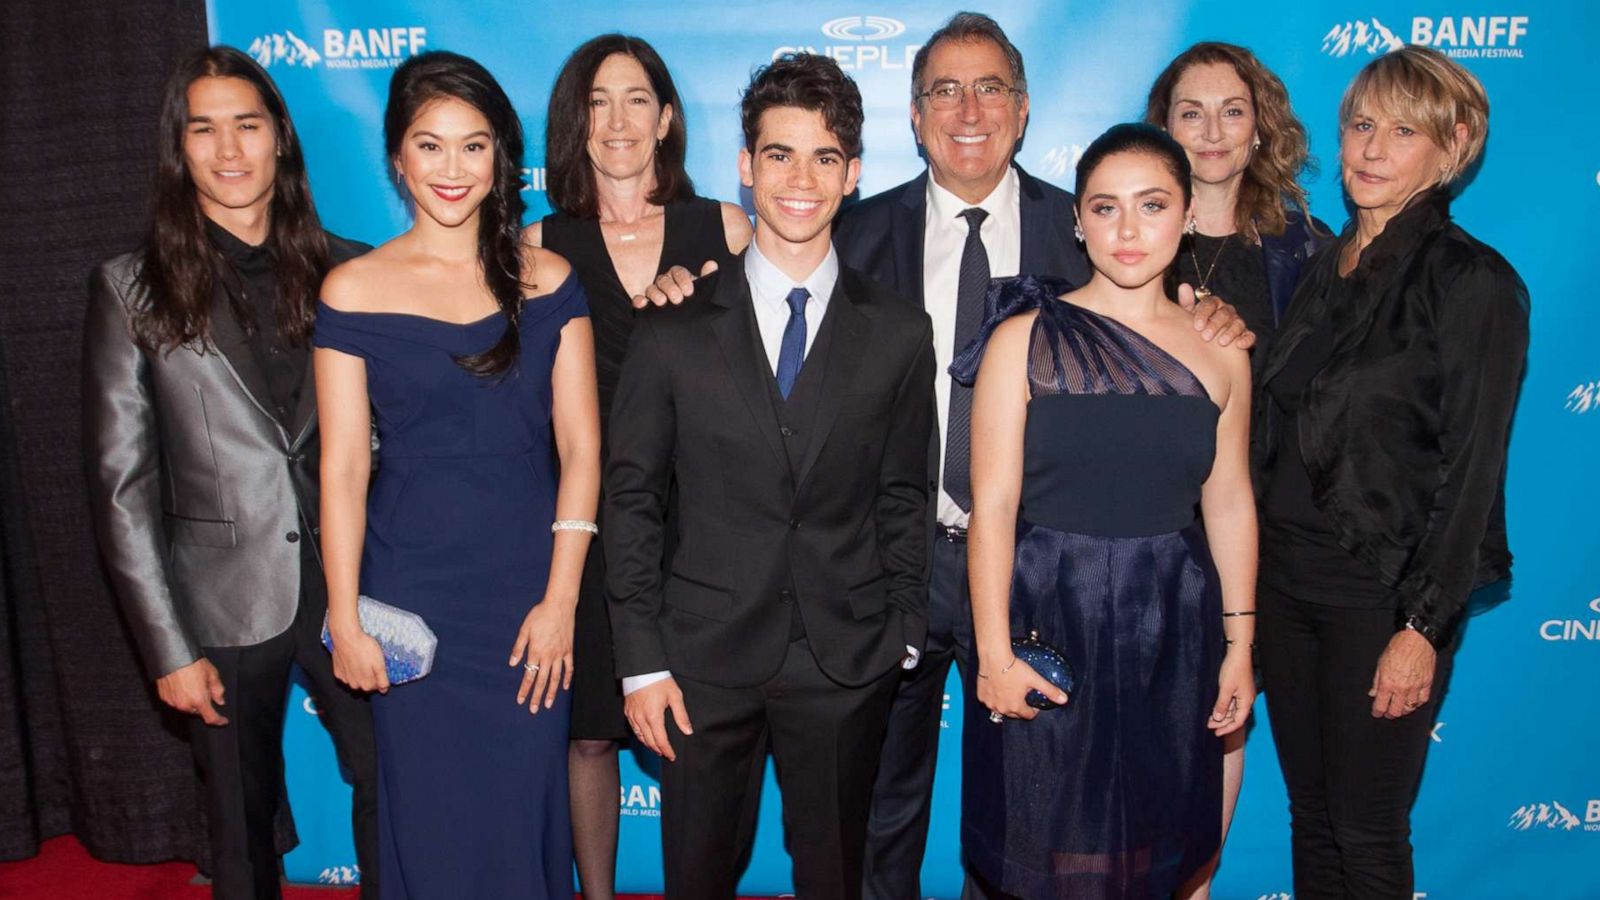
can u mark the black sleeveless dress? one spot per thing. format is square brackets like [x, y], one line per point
[1118, 794]
[693, 233]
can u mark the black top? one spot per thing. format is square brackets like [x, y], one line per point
[1300, 554]
[1240, 278]
[692, 234]
[1403, 431]
[248, 286]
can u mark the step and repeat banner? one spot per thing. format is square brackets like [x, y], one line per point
[1510, 804]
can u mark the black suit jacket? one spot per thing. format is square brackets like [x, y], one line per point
[843, 536]
[881, 237]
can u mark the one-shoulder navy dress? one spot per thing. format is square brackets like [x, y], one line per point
[472, 787]
[1118, 794]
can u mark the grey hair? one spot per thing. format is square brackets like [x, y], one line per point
[969, 26]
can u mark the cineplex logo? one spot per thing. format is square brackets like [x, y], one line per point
[1573, 629]
[1552, 816]
[860, 43]
[355, 48]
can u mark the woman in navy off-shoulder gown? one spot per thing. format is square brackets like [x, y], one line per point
[1101, 421]
[476, 358]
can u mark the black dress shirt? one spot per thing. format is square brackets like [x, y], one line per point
[248, 287]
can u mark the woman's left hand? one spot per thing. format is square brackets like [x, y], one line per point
[1236, 692]
[1404, 680]
[546, 638]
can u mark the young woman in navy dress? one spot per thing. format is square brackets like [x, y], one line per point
[1101, 422]
[473, 353]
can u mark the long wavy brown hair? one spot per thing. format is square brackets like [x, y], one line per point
[1272, 179]
[181, 265]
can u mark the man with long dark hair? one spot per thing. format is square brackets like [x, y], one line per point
[200, 436]
[796, 588]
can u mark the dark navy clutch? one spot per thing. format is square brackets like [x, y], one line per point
[407, 641]
[1050, 665]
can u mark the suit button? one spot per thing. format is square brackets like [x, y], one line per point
[292, 537]
[296, 457]
[784, 596]
[794, 524]
[786, 431]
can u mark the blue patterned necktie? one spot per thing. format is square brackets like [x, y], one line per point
[792, 352]
[971, 286]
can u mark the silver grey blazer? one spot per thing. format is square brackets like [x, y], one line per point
[199, 493]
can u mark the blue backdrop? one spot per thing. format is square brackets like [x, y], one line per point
[1510, 805]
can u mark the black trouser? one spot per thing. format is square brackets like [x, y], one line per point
[902, 795]
[241, 763]
[824, 739]
[1352, 778]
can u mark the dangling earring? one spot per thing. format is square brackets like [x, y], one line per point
[1077, 232]
[1188, 227]
[1256, 144]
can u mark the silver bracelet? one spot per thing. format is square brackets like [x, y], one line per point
[574, 525]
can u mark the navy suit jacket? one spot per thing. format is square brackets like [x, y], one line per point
[881, 237]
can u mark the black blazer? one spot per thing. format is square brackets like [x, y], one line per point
[844, 537]
[881, 237]
[1404, 431]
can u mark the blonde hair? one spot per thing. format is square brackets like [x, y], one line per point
[1430, 92]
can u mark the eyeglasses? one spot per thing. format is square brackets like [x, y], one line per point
[951, 94]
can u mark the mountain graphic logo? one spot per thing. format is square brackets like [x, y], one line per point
[286, 48]
[1362, 34]
[1551, 816]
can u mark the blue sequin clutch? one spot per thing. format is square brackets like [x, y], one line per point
[407, 641]
[1050, 665]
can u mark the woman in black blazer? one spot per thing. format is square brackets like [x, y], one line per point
[1383, 412]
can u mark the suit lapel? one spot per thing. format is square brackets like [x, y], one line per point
[230, 340]
[738, 336]
[1044, 248]
[849, 331]
[910, 222]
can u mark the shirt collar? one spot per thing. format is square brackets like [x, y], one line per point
[244, 257]
[769, 284]
[947, 207]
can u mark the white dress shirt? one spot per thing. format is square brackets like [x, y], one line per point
[944, 237]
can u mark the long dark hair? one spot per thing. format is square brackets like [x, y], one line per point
[569, 173]
[181, 266]
[438, 74]
[1272, 178]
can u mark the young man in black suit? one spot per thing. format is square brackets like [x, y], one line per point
[794, 409]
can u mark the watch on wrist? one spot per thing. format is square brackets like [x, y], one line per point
[1421, 626]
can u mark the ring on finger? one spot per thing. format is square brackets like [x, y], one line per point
[530, 666]
[996, 718]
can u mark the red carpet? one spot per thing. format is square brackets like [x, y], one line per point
[63, 870]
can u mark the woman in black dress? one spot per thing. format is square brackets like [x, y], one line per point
[626, 211]
[1253, 231]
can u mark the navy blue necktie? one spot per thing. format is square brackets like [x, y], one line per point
[971, 285]
[792, 352]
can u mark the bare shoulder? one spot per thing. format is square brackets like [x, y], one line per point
[736, 227]
[533, 235]
[356, 285]
[545, 269]
[1011, 336]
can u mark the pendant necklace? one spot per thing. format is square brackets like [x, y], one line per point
[1202, 292]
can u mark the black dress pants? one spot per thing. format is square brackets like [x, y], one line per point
[824, 739]
[241, 763]
[1352, 778]
[902, 795]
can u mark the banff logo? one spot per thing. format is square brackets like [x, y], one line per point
[862, 44]
[1585, 396]
[1573, 629]
[1059, 160]
[286, 48]
[1370, 35]
[1550, 816]
[355, 48]
[640, 800]
[340, 875]
[1472, 37]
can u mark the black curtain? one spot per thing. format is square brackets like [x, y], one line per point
[84, 745]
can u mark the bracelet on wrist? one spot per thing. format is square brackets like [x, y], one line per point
[1242, 612]
[1230, 642]
[574, 525]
